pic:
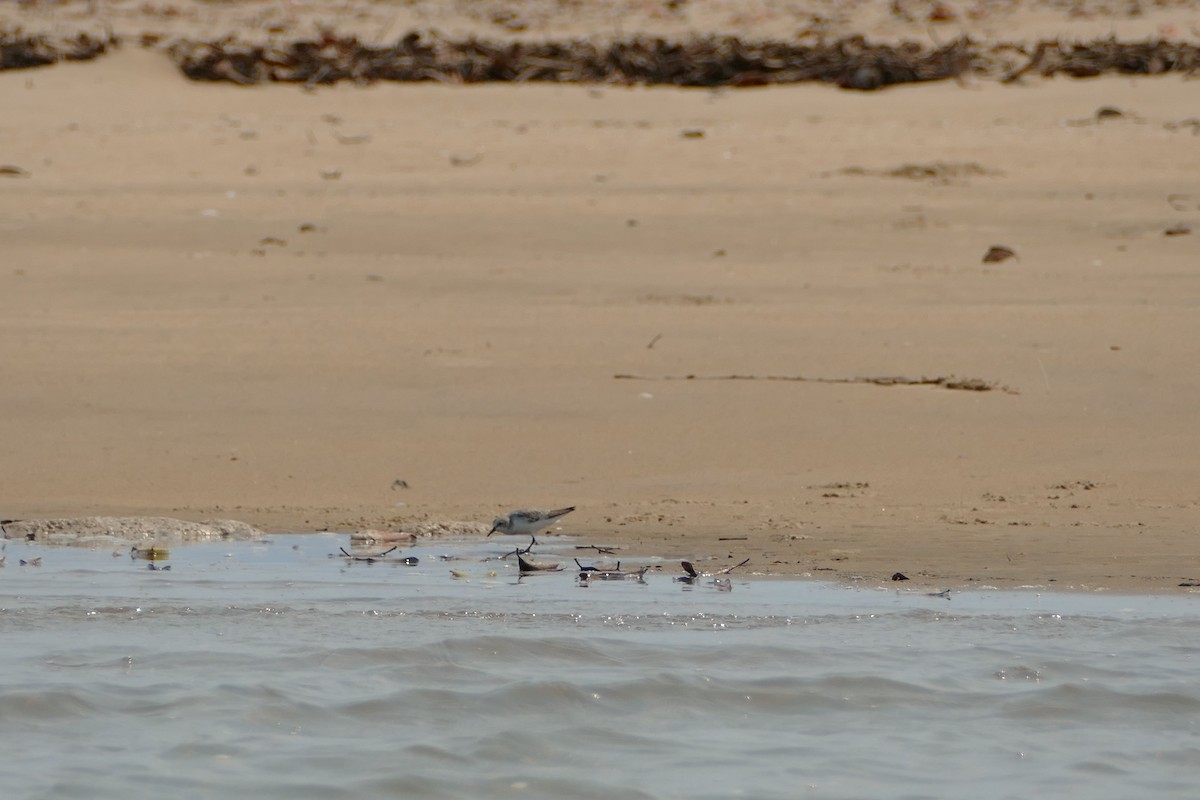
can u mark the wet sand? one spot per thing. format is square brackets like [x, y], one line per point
[274, 304]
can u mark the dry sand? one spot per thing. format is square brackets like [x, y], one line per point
[273, 304]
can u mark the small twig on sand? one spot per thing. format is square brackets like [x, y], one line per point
[368, 558]
[692, 572]
[728, 570]
[589, 574]
[519, 551]
[944, 382]
[608, 551]
[582, 568]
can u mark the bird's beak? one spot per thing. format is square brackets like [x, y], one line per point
[493, 530]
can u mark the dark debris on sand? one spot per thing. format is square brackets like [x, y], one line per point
[705, 61]
[19, 50]
[699, 61]
[852, 62]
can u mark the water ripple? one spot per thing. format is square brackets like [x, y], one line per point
[274, 674]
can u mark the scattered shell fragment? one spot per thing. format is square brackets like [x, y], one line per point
[998, 253]
[525, 565]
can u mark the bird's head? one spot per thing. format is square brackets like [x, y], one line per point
[499, 524]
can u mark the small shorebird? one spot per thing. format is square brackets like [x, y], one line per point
[526, 522]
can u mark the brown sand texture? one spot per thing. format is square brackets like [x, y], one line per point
[682, 311]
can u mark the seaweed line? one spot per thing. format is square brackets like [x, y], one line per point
[945, 382]
[850, 62]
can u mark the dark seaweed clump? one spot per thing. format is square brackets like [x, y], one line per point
[710, 61]
[19, 50]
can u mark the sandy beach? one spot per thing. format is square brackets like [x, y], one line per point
[374, 306]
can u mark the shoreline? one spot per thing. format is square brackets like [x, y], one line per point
[841, 557]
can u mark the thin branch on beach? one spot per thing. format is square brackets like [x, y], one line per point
[693, 573]
[728, 570]
[582, 568]
[608, 551]
[588, 574]
[944, 382]
[519, 551]
[371, 558]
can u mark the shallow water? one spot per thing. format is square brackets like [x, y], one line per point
[270, 670]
